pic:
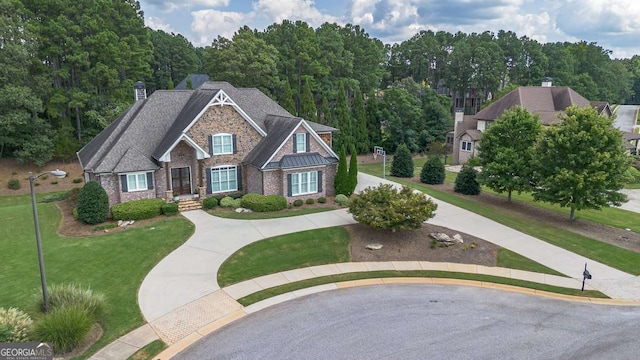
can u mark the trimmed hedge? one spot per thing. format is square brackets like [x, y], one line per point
[298, 202]
[235, 195]
[310, 201]
[209, 203]
[322, 200]
[342, 199]
[170, 209]
[137, 209]
[230, 202]
[263, 203]
[13, 184]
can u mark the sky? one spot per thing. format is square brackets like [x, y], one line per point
[612, 24]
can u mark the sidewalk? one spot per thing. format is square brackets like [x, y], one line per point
[181, 294]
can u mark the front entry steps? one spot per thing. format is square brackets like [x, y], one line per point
[189, 204]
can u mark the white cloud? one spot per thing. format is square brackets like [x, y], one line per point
[211, 3]
[208, 24]
[158, 24]
[278, 10]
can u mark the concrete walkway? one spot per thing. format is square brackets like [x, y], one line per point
[181, 294]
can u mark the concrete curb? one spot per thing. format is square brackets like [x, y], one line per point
[261, 305]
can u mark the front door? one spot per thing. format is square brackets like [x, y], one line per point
[181, 180]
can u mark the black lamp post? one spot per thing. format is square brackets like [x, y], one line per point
[59, 174]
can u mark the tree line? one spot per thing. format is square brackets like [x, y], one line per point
[67, 71]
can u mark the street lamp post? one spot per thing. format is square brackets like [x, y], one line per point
[59, 174]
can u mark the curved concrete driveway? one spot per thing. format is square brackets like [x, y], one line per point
[181, 294]
[626, 116]
[425, 321]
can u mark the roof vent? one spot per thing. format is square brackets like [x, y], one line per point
[547, 82]
[140, 90]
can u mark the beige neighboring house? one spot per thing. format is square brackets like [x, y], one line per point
[217, 139]
[547, 101]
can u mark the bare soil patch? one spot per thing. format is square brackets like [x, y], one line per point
[10, 169]
[415, 245]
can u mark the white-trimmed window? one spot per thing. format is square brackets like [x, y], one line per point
[222, 144]
[301, 142]
[224, 178]
[465, 145]
[304, 183]
[137, 182]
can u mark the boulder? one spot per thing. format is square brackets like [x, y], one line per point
[440, 237]
[374, 246]
[457, 238]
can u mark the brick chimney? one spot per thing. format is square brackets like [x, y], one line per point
[140, 91]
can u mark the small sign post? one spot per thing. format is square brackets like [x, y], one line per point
[380, 151]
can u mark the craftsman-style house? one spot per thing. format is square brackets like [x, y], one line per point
[217, 139]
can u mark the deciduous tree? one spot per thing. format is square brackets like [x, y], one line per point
[507, 153]
[581, 162]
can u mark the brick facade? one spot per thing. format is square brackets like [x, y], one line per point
[254, 180]
[287, 148]
[183, 155]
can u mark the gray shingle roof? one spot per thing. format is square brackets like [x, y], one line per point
[278, 129]
[548, 102]
[196, 81]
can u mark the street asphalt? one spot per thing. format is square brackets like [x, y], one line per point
[426, 322]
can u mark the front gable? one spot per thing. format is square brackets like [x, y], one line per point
[314, 144]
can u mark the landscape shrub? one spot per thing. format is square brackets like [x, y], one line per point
[262, 203]
[13, 184]
[169, 209]
[77, 180]
[310, 201]
[230, 202]
[474, 161]
[322, 200]
[54, 182]
[402, 164]
[54, 197]
[235, 195]
[433, 171]
[467, 181]
[632, 175]
[298, 202]
[93, 204]
[209, 203]
[137, 209]
[65, 327]
[15, 325]
[342, 200]
[73, 295]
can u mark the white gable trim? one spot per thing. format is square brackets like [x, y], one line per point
[221, 99]
[200, 152]
[311, 132]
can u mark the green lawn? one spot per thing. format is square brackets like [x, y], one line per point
[230, 214]
[282, 289]
[113, 264]
[318, 247]
[286, 252]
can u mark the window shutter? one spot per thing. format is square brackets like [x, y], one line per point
[320, 181]
[149, 181]
[123, 183]
[307, 145]
[288, 184]
[208, 180]
[210, 144]
[234, 143]
[295, 143]
[239, 173]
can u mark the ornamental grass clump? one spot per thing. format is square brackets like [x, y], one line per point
[65, 327]
[73, 295]
[15, 325]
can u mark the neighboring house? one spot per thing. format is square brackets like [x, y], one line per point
[214, 140]
[547, 101]
[197, 80]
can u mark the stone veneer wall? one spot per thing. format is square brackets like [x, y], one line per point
[287, 148]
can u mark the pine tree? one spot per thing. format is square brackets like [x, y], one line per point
[467, 181]
[353, 169]
[170, 85]
[325, 111]
[286, 98]
[342, 121]
[189, 84]
[433, 171]
[361, 131]
[341, 180]
[402, 165]
[307, 104]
